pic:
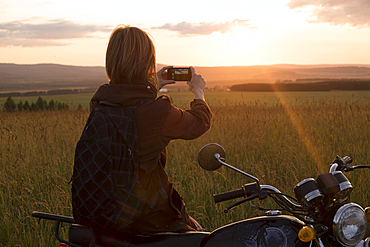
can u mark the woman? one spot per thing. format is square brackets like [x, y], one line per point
[130, 66]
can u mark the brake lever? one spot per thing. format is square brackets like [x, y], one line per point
[360, 166]
[347, 168]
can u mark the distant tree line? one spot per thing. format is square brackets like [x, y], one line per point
[299, 86]
[49, 92]
[39, 105]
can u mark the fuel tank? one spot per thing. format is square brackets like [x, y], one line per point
[265, 231]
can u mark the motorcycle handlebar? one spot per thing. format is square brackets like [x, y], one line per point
[245, 191]
[229, 195]
[341, 164]
[252, 191]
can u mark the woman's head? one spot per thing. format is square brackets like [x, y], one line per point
[130, 55]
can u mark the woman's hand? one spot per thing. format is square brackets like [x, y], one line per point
[162, 77]
[197, 85]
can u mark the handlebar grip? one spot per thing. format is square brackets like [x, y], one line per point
[229, 195]
[347, 159]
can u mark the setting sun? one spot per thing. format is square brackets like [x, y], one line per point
[243, 40]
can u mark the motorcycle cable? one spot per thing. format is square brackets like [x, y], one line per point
[279, 202]
[251, 197]
[297, 215]
[286, 195]
[283, 206]
[261, 195]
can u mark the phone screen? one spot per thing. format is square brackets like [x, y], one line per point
[179, 74]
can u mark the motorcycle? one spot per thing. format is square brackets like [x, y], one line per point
[320, 214]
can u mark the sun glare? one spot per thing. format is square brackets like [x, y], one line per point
[242, 40]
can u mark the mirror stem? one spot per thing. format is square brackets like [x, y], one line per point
[218, 157]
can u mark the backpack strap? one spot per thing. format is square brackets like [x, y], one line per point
[107, 103]
[139, 103]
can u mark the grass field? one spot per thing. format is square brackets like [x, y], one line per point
[281, 138]
[224, 98]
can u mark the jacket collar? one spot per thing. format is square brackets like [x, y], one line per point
[125, 94]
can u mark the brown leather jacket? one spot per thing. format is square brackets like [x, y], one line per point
[158, 122]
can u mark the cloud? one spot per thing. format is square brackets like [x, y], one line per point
[337, 12]
[50, 33]
[4, 42]
[203, 28]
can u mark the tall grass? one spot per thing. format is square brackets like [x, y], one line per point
[37, 151]
[281, 140]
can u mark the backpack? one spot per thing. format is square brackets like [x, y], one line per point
[106, 192]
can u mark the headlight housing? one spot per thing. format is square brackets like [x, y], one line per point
[349, 224]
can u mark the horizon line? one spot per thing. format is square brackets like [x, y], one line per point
[209, 66]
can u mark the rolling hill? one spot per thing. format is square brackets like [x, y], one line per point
[18, 77]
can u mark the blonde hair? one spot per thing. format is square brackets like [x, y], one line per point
[130, 55]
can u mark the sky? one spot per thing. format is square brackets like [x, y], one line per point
[189, 33]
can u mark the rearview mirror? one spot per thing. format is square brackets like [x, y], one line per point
[207, 159]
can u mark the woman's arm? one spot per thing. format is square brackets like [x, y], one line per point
[188, 124]
[197, 85]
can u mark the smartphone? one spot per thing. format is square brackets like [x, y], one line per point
[179, 74]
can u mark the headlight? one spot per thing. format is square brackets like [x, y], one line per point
[349, 224]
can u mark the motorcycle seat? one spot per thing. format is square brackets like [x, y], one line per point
[82, 235]
[185, 239]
